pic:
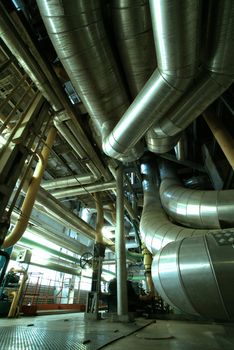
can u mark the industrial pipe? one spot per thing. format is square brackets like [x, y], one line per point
[194, 208]
[176, 30]
[81, 190]
[121, 272]
[68, 181]
[17, 294]
[221, 134]
[31, 194]
[56, 209]
[187, 261]
[35, 68]
[217, 76]
[78, 34]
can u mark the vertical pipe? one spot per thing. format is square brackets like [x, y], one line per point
[122, 297]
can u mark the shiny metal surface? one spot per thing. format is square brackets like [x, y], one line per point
[134, 38]
[77, 32]
[177, 54]
[64, 331]
[219, 71]
[81, 190]
[181, 148]
[163, 88]
[121, 270]
[194, 208]
[68, 181]
[158, 144]
[183, 269]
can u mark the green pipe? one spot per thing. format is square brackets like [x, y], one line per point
[36, 245]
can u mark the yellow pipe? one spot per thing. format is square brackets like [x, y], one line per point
[17, 294]
[222, 136]
[31, 194]
[147, 264]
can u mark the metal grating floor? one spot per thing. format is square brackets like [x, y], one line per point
[74, 334]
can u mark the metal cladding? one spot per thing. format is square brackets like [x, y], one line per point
[177, 38]
[134, 38]
[77, 32]
[217, 76]
[194, 208]
[68, 181]
[195, 275]
[187, 261]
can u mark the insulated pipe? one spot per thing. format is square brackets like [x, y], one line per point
[121, 272]
[188, 261]
[194, 208]
[68, 181]
[134, 38]
[176, 30]
[58, 100]
[78, 34]
[78, 190]
[219, 74]
[31, 194]
[221, 134]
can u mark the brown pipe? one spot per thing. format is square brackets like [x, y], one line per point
[31, 194]
[100, 217]
[221, 135]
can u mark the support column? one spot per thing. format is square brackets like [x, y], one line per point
[122, 296]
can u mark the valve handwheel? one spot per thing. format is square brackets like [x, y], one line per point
[86, 260]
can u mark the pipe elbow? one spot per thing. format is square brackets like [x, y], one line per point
[114, 150]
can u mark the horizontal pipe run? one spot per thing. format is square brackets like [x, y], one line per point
[68, 181]
[53, 206]
[79, 191]
[194, 208]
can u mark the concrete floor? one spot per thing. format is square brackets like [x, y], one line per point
[70, 331]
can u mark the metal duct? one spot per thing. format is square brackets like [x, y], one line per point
[197, 260]
[194, 208]
[176, 30]
[160, 145]
[133, 33]
[219, 75]
[78, 190]
[68, 181]
[77, 32]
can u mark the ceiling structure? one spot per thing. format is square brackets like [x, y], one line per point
[123, 82]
